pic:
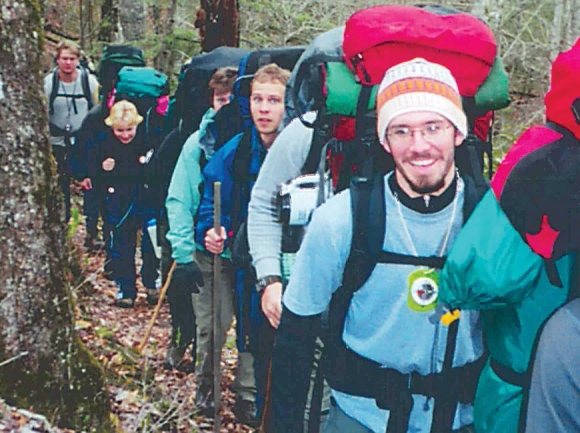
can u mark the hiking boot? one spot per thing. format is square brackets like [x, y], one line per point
[125, 302]
[173, 357]
[245, 412]
[204, 401]
[152, 297]
[123, 298]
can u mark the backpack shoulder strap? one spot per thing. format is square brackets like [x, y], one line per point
[53, 91]
[242, 178]
[357, 154]
[567, 134]
[320, 135]
[86, 87]
[368, 228]
[242, 157]
[468, 162]
[369, 224]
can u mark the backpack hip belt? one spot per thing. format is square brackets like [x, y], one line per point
[55, 131]
[353, 374]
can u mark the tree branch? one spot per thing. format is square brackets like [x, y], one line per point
[14, 358]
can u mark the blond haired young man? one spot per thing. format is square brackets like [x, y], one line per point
[236, 166]
[71, 92]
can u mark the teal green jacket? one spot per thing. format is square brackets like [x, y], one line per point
[183, 195]
[491, 268]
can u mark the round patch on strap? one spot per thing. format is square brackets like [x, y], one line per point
[423, 290]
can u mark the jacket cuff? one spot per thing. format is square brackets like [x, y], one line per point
[266, 267]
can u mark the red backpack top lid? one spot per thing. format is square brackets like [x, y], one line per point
[379, 37]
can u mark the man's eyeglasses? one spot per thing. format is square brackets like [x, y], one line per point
[431, 132]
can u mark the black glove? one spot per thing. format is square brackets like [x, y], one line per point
[186, 276]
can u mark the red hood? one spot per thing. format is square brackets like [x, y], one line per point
[564, 89]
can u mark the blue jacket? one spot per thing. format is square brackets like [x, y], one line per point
[235, 190]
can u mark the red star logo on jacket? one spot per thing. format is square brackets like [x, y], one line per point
[542, 243]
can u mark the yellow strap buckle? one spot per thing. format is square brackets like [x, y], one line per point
[450, 317]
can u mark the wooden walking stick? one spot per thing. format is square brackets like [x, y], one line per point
[216, 304]
[157, 309]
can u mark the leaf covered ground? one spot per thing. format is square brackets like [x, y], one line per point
[144, 396]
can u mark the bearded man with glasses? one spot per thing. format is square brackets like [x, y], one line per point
[386, 373]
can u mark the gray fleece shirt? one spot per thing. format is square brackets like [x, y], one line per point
[284, 162]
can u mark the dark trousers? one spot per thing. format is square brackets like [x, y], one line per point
[123, 245]
[63, 172]
[183, 322]
[262, 351]
[92, 207]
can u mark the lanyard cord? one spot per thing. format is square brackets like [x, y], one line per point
[453, 212]
[67, 97]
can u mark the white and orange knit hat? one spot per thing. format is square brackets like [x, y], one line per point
[419, 85]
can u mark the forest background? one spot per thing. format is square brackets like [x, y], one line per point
[529, 35]
[53, 301]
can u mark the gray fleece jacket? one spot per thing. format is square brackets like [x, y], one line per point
[284, 162]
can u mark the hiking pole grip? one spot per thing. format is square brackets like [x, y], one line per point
[216, 302]
[157, 308]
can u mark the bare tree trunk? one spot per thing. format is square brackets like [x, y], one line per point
[132, 20]
[556, 32]
[43, 364]
[165, 57]
[574, 24]
[82, 25]
[90, 22]
[109, 18]
[218, 22]
[155, 12]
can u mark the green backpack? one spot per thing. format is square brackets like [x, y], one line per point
[141, 82]
[113, 59]
[148, 89]
[342, 90]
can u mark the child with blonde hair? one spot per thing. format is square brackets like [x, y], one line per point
[120, 163]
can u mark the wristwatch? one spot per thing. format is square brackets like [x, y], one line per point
[264, 282]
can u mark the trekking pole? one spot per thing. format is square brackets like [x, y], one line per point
[157, 308]
[215, 297]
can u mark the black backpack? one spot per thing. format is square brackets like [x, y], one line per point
[187, 107]
[113, 59]
[191, 98]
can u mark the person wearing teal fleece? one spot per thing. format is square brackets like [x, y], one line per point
[517, 262]
[182, 203]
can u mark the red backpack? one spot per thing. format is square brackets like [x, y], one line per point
[373, 40]
[379, 37]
